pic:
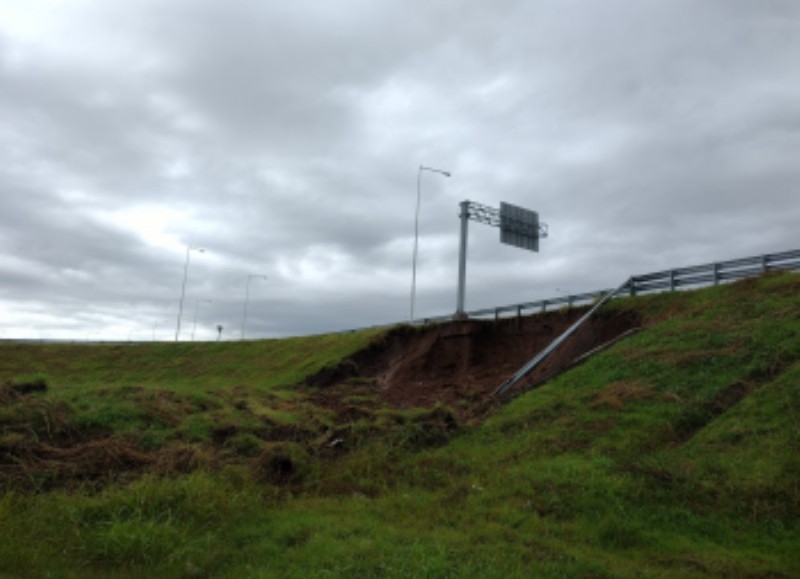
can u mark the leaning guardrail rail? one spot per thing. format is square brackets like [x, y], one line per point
[541, 356]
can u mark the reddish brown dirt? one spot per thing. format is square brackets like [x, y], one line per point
[462, 363]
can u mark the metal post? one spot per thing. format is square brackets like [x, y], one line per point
[416, 246]
[189, 248]
[764, 263]
[183, 293]
[247, 299]
[416, 234]
[196, 309]
[462, 260]
[672, 280]
[716, 273]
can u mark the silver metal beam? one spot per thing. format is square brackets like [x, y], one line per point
[462, 260]
[540, 357]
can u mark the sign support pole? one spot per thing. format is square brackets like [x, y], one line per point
[518, 227]
[462, 261]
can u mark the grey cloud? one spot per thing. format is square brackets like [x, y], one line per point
[286, 137]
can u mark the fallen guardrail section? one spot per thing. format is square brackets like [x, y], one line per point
[541, 356]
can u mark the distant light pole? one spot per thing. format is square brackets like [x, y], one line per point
[189, 248]
[247, 298]
[196, 308]
[416, 233]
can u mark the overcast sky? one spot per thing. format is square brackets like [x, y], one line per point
[285, 138]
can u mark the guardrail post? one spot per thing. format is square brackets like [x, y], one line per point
[764, 263]
[672, 280]
[519, 317]
[496, 314]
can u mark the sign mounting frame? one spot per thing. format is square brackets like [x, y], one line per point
[519, 227]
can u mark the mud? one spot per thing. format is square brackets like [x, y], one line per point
[461, 364]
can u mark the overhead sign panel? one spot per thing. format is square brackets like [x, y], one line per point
[519, 227]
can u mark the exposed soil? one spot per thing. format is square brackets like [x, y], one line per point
[461, 364]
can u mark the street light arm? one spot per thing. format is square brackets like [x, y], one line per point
[434, 170]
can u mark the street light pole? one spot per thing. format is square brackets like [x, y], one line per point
[196, 308]
[189, 248]
[416, 234]
[247, 299]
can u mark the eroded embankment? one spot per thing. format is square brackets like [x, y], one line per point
[460, 364]
[445, 373]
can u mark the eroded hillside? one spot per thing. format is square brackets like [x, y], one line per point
[672, 453]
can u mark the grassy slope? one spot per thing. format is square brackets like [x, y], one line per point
[160, 392]
[180, 367]
[675, 453]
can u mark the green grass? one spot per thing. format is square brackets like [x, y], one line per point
[154, 393]
[186, 367]
[107, 383]
[674, 453]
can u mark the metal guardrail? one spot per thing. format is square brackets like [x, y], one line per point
[666, 280]
[714, 273]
